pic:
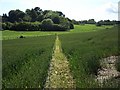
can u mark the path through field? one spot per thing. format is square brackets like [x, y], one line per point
[59, 75]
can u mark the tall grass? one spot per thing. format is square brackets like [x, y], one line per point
[26, 61]
[84, 51]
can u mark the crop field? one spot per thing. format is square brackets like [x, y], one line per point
[26, 61]
[89, 28]
[78, 28]
[7, 34]
[84, 51]
[45, 49]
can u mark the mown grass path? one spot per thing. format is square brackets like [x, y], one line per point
[59, 73]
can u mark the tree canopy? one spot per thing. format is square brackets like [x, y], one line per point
[48, 19]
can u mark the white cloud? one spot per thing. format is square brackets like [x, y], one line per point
[112, 8]
[74, 9]
[107, 11]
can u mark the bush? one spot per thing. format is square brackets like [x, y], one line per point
[3, 26]
[71, 26]
[57, 27]
[26, 26]
[7, 25]
[34, 27]
[46, 24]
[21, 37]
[98, 24]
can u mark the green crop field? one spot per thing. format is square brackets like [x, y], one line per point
[84, 51]
[89, 28]
[26, 61]
[7, 34]
[45, 49]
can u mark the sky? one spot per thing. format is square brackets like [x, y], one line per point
[73, 9]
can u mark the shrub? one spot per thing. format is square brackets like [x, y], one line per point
[2, 26]
[98, 24]
[22, 37]
[71, 26]
[7, 25]
[34, 27]
[46, 24]
[26, 26]
[57, 27]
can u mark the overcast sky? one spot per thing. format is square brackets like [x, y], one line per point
[74, 9]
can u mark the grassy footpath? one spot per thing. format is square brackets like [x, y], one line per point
[84, 51]
[78, 29]
[59, 75]
[26, 61]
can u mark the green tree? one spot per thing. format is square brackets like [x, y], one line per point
[56, 19]
[4, 18]
[47, 24]
[28, 12]
[60, 13]
[75, 22]
[64, 23]
[16, 15]
[91, 21]
[33, 15]
[40, 18]
[38, 10]
[27, 18]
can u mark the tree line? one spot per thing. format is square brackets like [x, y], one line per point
[36, 19]
[92, 21]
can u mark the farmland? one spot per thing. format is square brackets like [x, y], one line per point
[84, 51]
[49, 49]
[7, 34]
[26, 61]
